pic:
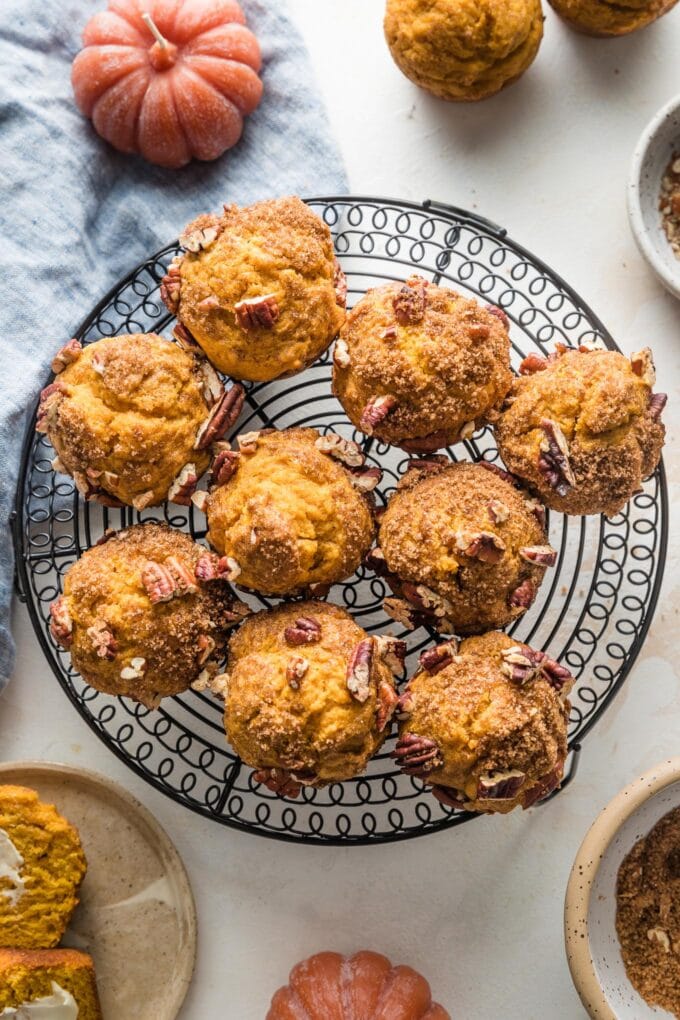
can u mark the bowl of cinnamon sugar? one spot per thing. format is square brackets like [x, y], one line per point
[622, 908]
[654, 195]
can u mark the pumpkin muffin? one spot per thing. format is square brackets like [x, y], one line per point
[463, 548]
[57, 983]
[582, 428]
[132, 417]
[308, 695]
[143, 614]
[463, 50]
[420, 366]
[258, 288]
[486, 724]
[291, 509]
[41, 867]
[606, 18]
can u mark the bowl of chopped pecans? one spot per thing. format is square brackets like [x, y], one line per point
[654, 195]
[622, 908]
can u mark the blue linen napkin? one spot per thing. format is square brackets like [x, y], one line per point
[76, 215]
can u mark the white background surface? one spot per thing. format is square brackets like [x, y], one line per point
[478, 909]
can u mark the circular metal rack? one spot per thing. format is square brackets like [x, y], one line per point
[592, 612]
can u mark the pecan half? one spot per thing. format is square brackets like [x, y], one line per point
[306, 630]
[468, 430]
[205, 646]
[69, 353]
[223, 415]
[364, 479]
[537, 509]
[543, 555]
[184, 486]
[433, 660]
[500, 314]
[521, 664]
[279, 781]
[200, 500]
[61, 624]
[431, 465]
[158, 582]
[197, 239]
[427, 600]
[507, 476]
[498, 512]
[247, 441]
[228, 569]
[426, 444]
[392, 651]
[545, 786]
[559, 677]
[405, 705]
[339, 284]
[404, 613]
[184, 578]
[103, 641]
[478, 331]
[258, 312]
[358, 675]
[417, 755]
[387, 703]
[224, 467]
[642, 364]
[171, 285]
[210, 383]
[295, 670]
[135, 670]
[410, 300]
[341, 355]
[657, 402]
[553, 458]
[139, 502]
[533, 363]
[50, 398]
[345, 450]
[375, 411]
[523, 596]
[449, 797]
[480, 545]
[205, 568]
[375, 561]
[186, 340]
[206, 304]
[389, 333]
[498, 785]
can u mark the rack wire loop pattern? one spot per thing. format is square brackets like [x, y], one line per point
[593, 611]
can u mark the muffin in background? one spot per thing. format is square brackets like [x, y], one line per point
[463, 50]
[606, 18]
[57, 983]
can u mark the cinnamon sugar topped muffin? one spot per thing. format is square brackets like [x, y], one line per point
[143, 614]
[309, 695]
[258, 288]
[463, 49]
[291, 509]
[611, 17]
[132, 418]
[420, 366]
[464, 548]
[485, 724]
[583, 428]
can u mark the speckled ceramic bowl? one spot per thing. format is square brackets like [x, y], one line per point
[658, 142]
[590, 909]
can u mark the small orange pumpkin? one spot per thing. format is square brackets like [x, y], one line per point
[365, 986]
[169, 79]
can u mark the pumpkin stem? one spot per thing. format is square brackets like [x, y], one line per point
[162, 54]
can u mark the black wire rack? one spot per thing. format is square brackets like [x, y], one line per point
[593, 611]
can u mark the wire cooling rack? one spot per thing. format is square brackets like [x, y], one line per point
[593, 610]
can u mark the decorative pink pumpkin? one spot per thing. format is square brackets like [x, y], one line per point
[169, 79]
[361, 987]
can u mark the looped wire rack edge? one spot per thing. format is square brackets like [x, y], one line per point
[593, 611]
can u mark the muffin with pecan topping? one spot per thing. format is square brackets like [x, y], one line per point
[258, 288]
[609, 18]
[582, 428]
[132, 418]
[463, 548]
[420, 366]
[485, 725]
[463, 50]
[290, 510]
[137, 616]
[308, 695]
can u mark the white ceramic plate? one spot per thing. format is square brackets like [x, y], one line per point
[658, 142]
[593, 948]
[136, 915]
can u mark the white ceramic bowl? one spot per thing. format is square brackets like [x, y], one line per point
[590, 909]
[658, 142]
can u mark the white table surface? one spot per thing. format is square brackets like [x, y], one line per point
[478, 909]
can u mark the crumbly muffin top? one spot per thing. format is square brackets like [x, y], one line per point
[611, 17]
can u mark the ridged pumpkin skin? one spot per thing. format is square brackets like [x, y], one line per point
[365, 986]
[185, 100]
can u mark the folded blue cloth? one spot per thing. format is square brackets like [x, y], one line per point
[76, 215]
